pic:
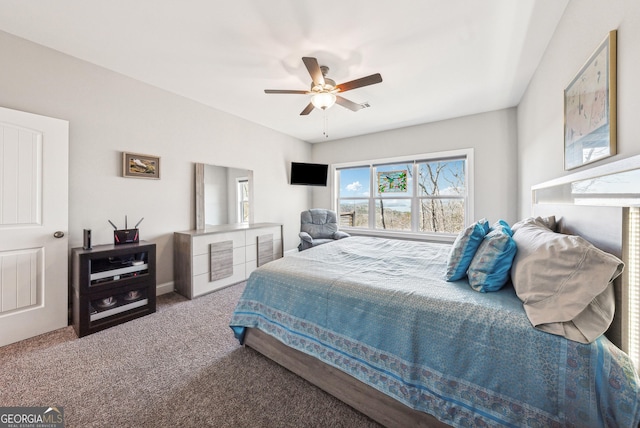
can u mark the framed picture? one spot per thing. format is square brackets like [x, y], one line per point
[590, 108]
[140, 166]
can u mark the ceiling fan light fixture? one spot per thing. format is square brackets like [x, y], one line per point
[323, 90]
[323, 100]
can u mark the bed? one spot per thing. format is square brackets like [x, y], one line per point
[374, 323]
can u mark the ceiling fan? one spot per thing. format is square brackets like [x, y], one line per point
[324, 90]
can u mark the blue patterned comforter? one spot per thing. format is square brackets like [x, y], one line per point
[381, 311]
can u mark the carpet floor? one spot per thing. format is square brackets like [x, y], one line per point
[180, 366]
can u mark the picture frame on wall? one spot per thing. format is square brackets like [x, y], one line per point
[135, 165]
[590, 108]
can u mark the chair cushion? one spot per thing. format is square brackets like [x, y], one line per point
[319, 223]
[317, 242]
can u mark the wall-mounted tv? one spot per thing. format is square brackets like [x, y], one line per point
[309, 174]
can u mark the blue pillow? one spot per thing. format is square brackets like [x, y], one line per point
[503, 224]
[491, 265]
[464, 248]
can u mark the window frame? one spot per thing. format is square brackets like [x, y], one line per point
[240, 199]
[466, 154]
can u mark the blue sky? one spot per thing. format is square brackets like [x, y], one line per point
[354, 182]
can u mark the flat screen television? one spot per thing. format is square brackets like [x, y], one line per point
[309, 174]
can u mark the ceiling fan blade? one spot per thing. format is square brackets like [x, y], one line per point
[307, 110]
[358, 83]
[284, 91]
[314, 70]
[348, 104]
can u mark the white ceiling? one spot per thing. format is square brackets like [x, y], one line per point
[438, 58]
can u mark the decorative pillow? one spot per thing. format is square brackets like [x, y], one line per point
[550, 222]
[489, 269]
[464, 248]
[501, 224]
[564, 282]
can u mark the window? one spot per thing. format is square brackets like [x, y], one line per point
[428, 194]
[441, 195]
[243, 199]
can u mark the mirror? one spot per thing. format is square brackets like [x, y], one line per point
[224, 195]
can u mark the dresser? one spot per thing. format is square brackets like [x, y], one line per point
[208, 259]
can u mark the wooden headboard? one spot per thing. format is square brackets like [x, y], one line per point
[607, 228]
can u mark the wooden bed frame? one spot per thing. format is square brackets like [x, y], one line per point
[362, 397]
[604, 227]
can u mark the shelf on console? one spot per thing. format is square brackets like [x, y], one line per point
[98, 315]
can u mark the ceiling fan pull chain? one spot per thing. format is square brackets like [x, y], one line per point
[325, 120]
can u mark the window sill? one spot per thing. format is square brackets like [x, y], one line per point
[410, 236]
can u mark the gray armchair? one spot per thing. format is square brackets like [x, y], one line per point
[318, 226]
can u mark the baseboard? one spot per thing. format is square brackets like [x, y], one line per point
[165, 288]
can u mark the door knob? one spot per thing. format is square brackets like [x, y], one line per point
[58, 234]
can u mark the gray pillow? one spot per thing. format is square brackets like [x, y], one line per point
[549, 222]
[564, 282]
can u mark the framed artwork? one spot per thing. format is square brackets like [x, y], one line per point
[590, 108]
[140, 166]
[392, 181]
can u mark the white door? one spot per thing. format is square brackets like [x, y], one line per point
[33, 224]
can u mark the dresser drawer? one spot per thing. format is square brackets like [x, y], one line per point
[202, 285]
[201, 262]
[201, 243]
[252, 234]
[252, 242]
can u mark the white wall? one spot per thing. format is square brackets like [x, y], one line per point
[582, 28]
[110, 113]
[492, 136]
